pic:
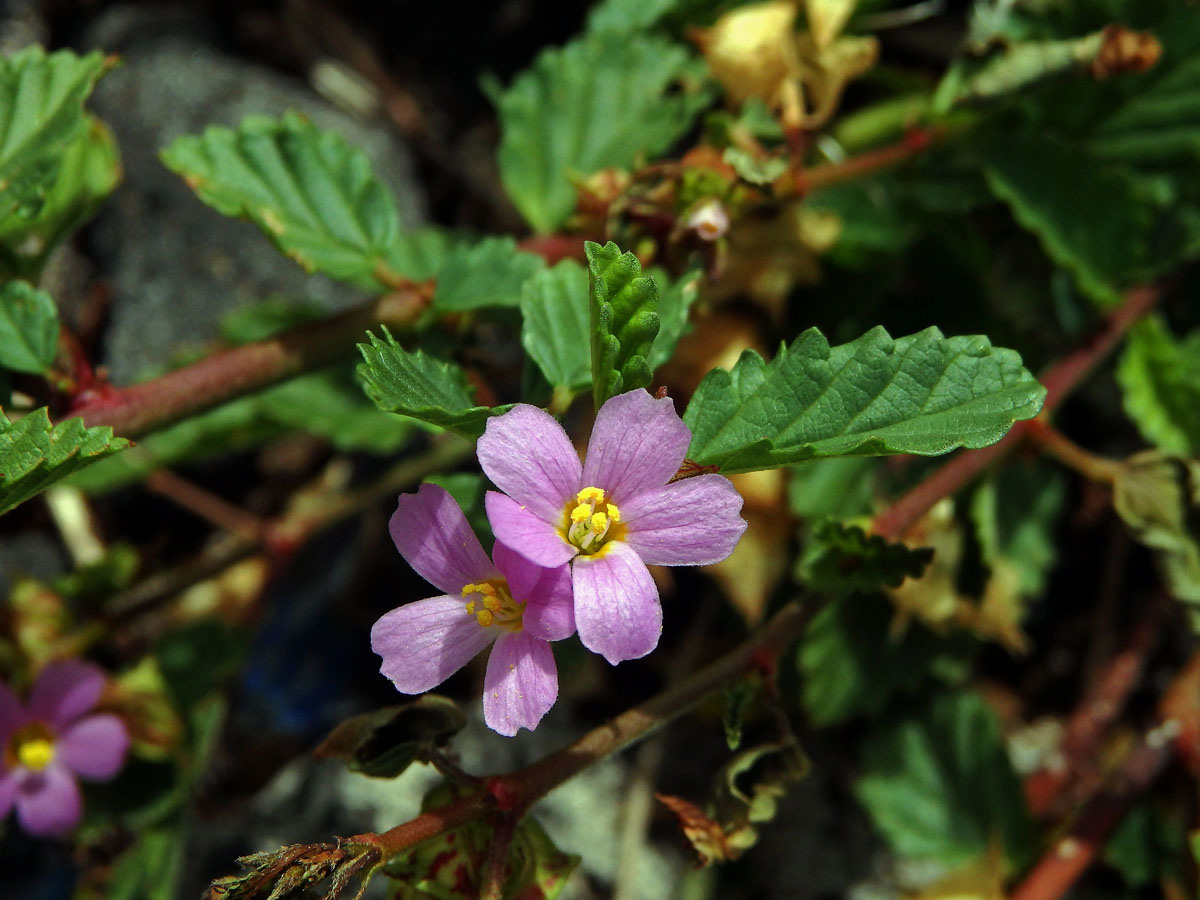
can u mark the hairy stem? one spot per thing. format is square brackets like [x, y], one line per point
[141, 408]
[517, 791]
[1060, 380]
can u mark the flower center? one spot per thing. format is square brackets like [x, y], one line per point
[492, 604]
[31, 747]
[592, 521]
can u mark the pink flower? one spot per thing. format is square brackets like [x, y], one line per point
[611, 515]
[514, 604]
[47, 744]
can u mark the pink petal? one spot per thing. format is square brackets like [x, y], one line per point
[64, 691]
[424, 643]
[616, 604]
[12, 715]
[94, 747]
[532, 537]
[637, 443]
[48, 802]
[8, 793]
[526, 454]
[693, 522]
[549, 611]
[431, 532]
[521, 683]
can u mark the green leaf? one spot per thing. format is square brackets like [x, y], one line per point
[308, 190]
[600, 101]
[151, 868]
[1157, 496]
[34, 454]
[419, 254]
[854, 662]
[450, 866]
[628, 16]
[1063, 195]
[28, 328]
[841, 558]
[939, 785]
[468, 490]
[416, 385]
[1147, 847]
[41, 108]
[839, 487]
[674, 303]
[490, 273]
[1014, 513]
[385, 742]
[624, 321]
[87, 172]
[556, 330]
[1160, 385]
[924, 394]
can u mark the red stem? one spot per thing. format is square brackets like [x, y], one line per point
[139, 408]
[1060, 380]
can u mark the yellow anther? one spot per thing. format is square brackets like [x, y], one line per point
[470, 589]
[492, 603]
[35, 754]
[590, 495]
[486, 618]
[471, 608]
[487, 589]
[581, 513]
[613, 512]
[599, 523]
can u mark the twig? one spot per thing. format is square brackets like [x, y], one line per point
[1090, 465]
[1060, 380]
[205, 504]
[516, 791]
[1069, 857]
[1099, 710]
[491, 885]
[914, 143]
[140, 408]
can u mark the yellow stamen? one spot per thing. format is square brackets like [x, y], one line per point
[581, 513]
[599, 523]
[471, 608]
[35, 754]
[589, 495]
[613, 512]
[485, 618]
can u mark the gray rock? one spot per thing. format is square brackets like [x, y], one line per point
[175, 265]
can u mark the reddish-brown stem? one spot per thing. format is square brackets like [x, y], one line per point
[1053, 442]
[139, 408]
[517, 791]
[1060, 380]
[1099, 709]
[491, 885]
[913, 144]
[1069, 857]
[205, 504]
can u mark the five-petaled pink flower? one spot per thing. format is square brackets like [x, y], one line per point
[514, 603]
[48, 743]
[610, 515]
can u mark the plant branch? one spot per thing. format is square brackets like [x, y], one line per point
[1090, 465]
[1060, 380]
[135, 410]
[914, 143]
[517, 791]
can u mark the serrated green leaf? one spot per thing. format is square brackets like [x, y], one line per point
[308, 190]
[419, 254]
[419, 386]
[939, 785]
[41, 108]
[854, 662]
[599, 101]
[34, 454]
[1066, 198]
[555, 328]
[87, 172]
[490, 273]
[28, 328]
[1160, 385]
[624, 321]
[840, 558]
[924, 394]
